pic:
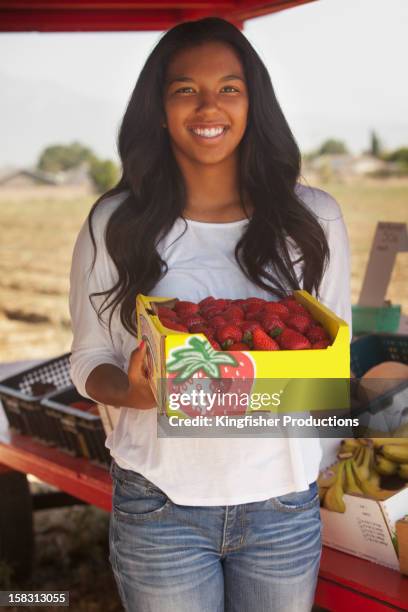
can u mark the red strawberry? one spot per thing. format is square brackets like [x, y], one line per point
[247, 328]
[228, 335]
[238, 346]
[184, 308]
[296, 308]
[238, 302]
[199, 327]
[316, 332]
[209, 332]
[167, 313]
[217, 321]
[253, 307]
[206, 301]
[272, 325]
[196, 367]
[211, 311]
[221, 303]
[233, 312]
[299, 322]
[255, 316]
[235, 321]
[321, 344]
[255, 300]
[249, 325]
[278, 309]
[192, 320]
[290, 339]
[173, 325]
[287, 299]
[214, 344]
[263, 342]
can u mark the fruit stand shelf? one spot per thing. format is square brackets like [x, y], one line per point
[345, 582]
[76, 476]
[349, 583]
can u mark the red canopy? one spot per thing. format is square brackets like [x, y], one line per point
[101, 15]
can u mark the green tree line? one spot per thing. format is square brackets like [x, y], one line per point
[59, 158]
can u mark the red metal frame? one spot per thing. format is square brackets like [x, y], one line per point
[130, 15]
[75, 476]
[345, 583]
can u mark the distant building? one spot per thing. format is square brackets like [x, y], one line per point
[28, 178]
[344, 166]
[20, 180]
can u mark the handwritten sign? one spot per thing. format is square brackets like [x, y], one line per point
[389, 239]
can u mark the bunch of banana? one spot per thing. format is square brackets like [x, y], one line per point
[361, 463]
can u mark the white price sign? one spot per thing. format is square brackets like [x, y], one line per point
[389, 239]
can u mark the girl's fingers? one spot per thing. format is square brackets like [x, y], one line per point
[136, 365]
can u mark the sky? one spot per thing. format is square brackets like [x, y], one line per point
[337, 67]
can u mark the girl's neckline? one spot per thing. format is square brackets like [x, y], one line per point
[212, 224]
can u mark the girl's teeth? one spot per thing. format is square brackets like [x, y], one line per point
[208, 132]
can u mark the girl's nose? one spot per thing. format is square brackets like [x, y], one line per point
[207, 99]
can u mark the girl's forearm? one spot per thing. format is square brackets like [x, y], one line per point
[108, 384]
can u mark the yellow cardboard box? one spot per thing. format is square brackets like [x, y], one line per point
[257, 370]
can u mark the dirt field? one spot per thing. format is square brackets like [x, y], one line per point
[38, 234]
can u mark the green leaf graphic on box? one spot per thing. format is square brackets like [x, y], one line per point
[199, 355]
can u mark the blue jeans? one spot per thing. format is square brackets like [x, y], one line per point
[261, 556]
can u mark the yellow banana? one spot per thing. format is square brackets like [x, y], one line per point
[349, 444]
[385, 466]
[322, 493]
[365, 441]
[368, 480]
[328, 476]
[379, 442]
[333, 500]
[403, 471]
[351, 485]
[358, 457]
[396, 452]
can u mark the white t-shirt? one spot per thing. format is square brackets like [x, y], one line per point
[198, 471]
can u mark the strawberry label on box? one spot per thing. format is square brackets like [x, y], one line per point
[197, 366]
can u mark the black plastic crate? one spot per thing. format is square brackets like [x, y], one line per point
[21, 395]
[73, 430]
[373, 349]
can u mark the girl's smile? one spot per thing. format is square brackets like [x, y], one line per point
[210, 133]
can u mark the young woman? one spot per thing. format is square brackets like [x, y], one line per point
[208, 204]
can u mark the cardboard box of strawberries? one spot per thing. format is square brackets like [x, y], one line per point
[242, 341]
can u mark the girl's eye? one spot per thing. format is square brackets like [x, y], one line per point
[230, 87]
[190, 89]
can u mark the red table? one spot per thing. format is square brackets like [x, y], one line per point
[75, 476]
[346, 583]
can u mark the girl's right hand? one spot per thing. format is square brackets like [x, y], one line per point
[139, 394]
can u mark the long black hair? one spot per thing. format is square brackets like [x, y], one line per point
[269, 168]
